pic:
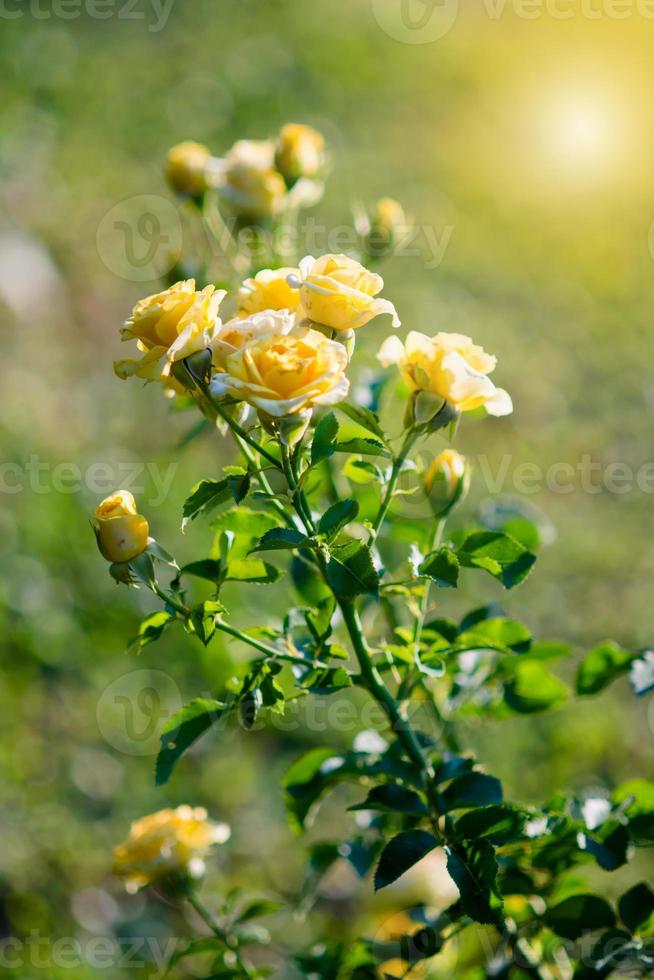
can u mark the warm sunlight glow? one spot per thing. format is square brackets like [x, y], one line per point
[582, 131]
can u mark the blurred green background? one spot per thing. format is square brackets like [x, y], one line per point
[526, 147]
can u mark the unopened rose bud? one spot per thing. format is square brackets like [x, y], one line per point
[299, 152]
[446, 481]
[121, 532]
[387, 226]
[187, 168]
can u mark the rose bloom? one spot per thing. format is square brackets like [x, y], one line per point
[187, 167]
[170, 326]
[250, 184]
[121, 532]
[242, 329]
[268, 290]
[338, 292]
[300, 151]
[168, 844]
[449, 366]
[285, 374]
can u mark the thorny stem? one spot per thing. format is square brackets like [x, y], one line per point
[235, 427]
[252, 641]
[398, 463]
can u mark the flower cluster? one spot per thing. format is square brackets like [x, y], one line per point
[256, 179]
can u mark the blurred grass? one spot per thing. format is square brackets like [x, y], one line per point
[547, 265]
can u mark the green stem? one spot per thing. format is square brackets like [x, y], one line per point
[398, 463]
[169, 600]
[298, 498]
[235, 427]
[435, 540]
[264, 648]
[207, 917]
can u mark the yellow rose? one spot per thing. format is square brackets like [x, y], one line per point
[170, 326]
[445, 480]
[243, 329]
[121, 532]
[268, 290]
[167, 844]
[250, 184]
[448, 366]
[285, 374]
[187, 166]
[338, 292]
[299, 152]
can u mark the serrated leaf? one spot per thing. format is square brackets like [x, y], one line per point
[533, 688]
[473, 868]
[498, 554]
[151, 629]
[578, 914]
[401, 853]
[500, 633]
[364, 417]
[243, 520]
[472, 789]
[337, 516]
[392, 798]
[362, 447]
[182, 730]
[498, 823]
[327, 680]
[442, 567]
[208, 494]
[636, 906]
[252, 570]
[208, 568]
[350, 570]
[602, 665]
[280, 539]
[324, 437]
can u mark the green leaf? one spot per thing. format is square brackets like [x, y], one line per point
[442, 567]
[182, 730]
[636, 906]
[338, 515]
[498, 554]
[151, 629]
[208, 494]
[390, 797]
[208, 568]
[472, 789]
[401, 853]
[599, 667]
[578, 914]
[498, 823]
[608, 845]
[473, 869]
[305, 782]
[252, 570]
[362, 447]
[499, 633]
[327, 680]
[350, 570]
[533, 688]
[361, 472]
[324, 437]
[364, 417]
[281, 538]
[243, 520]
